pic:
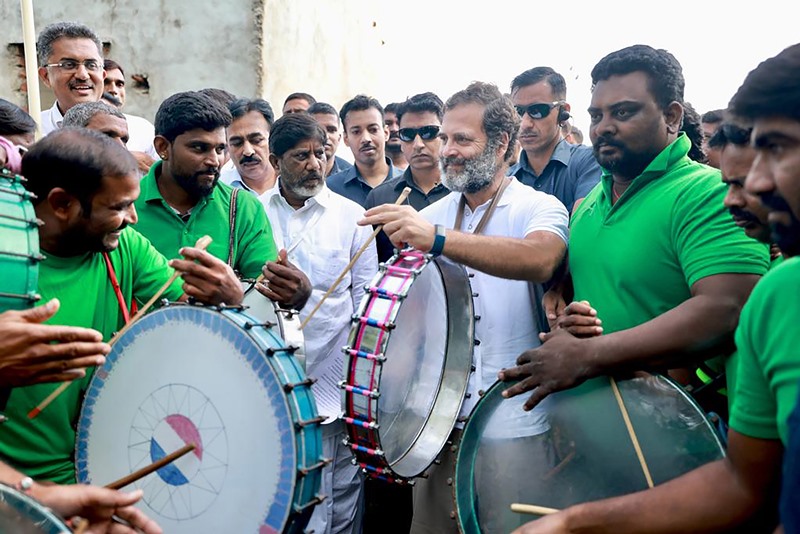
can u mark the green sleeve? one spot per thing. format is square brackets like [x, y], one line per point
[706, 239]
[255, 245]
[768, 344]
[150, 270]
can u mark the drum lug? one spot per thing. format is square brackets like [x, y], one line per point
[476, 342]
[308, 422]
[310, 504]
[437, 461]
[462, 419]
[472, 368]
[303, 471]
[477, 317]
[308, 382]
[249, 326]
[466, 396]
[450, 483]
[290, 349]
[476, 295]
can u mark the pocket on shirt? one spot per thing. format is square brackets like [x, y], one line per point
[326, 266]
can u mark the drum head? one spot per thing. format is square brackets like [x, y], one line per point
[20, 514]
[19, 248]
[187, 374]
[584, 454]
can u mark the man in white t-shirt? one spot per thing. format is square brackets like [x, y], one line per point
[140, 130]
[508, 246]
[318, 230]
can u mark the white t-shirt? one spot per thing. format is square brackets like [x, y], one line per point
[140, 135]
[508, 322]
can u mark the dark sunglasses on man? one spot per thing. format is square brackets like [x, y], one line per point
[426, 133]
[538, 111]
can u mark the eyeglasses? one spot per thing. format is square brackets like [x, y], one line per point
[426, 133]
[538, 111]
[70, 65]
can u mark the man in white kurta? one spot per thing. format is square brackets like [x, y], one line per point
[318, 230]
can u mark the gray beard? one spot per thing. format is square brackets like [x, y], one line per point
[477, 175]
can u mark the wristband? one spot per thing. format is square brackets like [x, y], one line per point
[438, 241]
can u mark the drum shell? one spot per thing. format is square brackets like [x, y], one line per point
[591, 453]
[268, 311]
[22, 514]
[364, 372]
[19, 246]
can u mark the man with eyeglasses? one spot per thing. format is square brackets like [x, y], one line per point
[548, 162]
[420, 119]
[71, 64]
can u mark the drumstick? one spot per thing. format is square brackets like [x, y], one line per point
[155, 466]
[532, 509]
[202, 244]
[402, 198]
[79, 524]
[631, 432]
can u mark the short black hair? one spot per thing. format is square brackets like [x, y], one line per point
[110, 64]
[186, 111]
[222, 96]
[421, 103]
[499, 115]
[291, 129]
[360, 103]
[730, 133]
[301, 96]
[772, 89]
[539, 74]
[391, 108]
[712, 117]
[14, 120]
[664, 73]
[76, 160]
[322, 108]
[243, 106]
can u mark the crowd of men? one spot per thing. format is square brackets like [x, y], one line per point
[665, 246]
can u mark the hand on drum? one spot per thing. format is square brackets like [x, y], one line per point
[31, 352]
[98, 506]
[562, 362]
[549, 524]
[403, 225]
[284, 283]
[207, 278]
[578, 318]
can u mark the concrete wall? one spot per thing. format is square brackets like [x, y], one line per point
[177, 44]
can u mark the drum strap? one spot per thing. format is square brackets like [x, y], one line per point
[112, 276]
[232, 224]
[489, 211]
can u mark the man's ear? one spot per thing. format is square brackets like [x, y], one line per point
[673, 116]
[65, 206]
[503, 147]
[45, 76]
[273, 160]
[162, 146]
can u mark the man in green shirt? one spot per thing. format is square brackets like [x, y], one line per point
[182, 199]
[723, 495]
[652, 248]
[85, 186]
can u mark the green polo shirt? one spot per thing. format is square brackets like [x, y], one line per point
[252, 246]
[43, 447]
[768, 351]
[637, 259]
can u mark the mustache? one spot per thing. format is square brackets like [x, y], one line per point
[249, 159]
[453, 160]
[774, 202]
[394, 135]
[744, 215]
[605, 141]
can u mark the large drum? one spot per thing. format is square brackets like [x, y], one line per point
[585, 452]
[407, 365]
[225, 382]
[269, 312]
[20, 514]
[19, 244]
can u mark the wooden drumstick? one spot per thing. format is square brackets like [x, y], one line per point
[402, 198]
[631, 432]
[202, 244]
[155, 466]
[532, 509]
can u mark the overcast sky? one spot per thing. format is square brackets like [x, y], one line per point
[442, 45]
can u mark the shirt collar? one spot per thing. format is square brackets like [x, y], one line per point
[354, 174]
[55, 115]
[562, 154]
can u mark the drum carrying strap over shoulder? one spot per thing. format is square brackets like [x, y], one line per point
[232, 225]
[112, 277]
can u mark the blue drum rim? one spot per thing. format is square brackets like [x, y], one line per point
[14, 184]
[284, 503]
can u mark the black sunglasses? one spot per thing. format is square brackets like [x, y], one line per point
[538, 111]
[426, 133]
